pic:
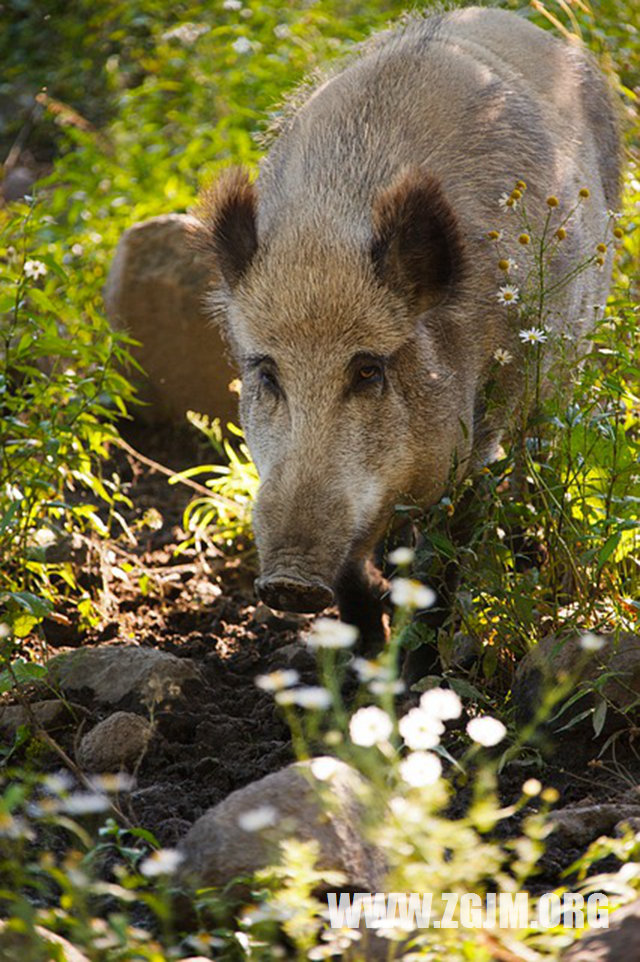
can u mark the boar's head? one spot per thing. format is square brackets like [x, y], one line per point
[354, 393]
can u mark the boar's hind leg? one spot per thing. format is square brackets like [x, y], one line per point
[360, 589]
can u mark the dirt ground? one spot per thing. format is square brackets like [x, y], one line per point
[224, 732]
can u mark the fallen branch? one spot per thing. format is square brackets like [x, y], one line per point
[175, 475]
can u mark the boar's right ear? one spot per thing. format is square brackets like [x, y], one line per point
[227, 212]
[417, 248]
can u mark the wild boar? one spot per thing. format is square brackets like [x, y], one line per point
[360, 287]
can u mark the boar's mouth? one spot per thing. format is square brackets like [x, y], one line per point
[285, 593]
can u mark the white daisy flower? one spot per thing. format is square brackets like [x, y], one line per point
[112, 783]
[34, 269]
[486, 730]
[508, 294]
[241, 45]
[84, 803]
[502, 356]
[324, 768]
[401, 556]
[370, 726]
[368, 670]
[380, 687]
[420, 769]
[311, 697]
[420, 730]
[441, 703]
[327, 633]
[407, 593]
[14, 827]
[186, 33]
[232, 5]
[163, 862]
[277, 680]
[507, 202]
[532, 787]
[533, 335]
[591, 642]
[255, 819]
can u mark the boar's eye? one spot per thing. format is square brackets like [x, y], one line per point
[269, 379]
[267, 373]
[367, 370]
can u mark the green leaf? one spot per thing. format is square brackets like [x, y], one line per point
[23, 624]
[39, 607]
[599, 717]
[608, 548]
[53, 265]
[22, 673]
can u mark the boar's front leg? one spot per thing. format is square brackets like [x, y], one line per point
[360, 589]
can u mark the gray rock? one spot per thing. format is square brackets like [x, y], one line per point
[554, 660]
[49, 714]
[17, 183]
[580, 824]
[155, 291]
[113, 671]
[294, 655]
[120, 741]
[620, 942]
[242, 833]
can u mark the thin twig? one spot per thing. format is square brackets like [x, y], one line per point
[41, 732]
[200, 488]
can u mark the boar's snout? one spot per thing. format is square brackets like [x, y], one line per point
[285, 593]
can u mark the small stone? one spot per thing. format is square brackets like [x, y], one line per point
[263, 615]
[295, 655]
[120, 741]
[17, 183]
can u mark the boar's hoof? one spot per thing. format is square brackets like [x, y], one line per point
[291, 594]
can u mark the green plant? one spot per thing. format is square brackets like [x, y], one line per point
[547, 541]
[222, 517]
[61, 392]
[144, 100]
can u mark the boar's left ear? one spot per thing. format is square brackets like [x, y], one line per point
[417, 248]
[227, 213]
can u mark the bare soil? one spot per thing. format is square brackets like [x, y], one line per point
[223, 732]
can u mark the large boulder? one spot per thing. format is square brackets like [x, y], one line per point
[613, 670]
[620, 942]
[155, 292]
[318, 800]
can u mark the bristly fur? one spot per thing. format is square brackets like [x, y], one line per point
[227, 210]
[417, 247]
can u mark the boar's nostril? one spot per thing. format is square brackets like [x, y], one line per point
[291, 594]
